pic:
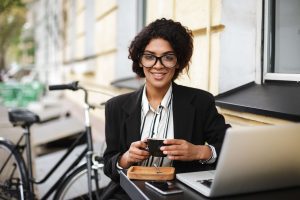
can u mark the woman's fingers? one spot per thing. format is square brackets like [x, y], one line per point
[139, 144]
[174, 152]
[177, 157]
[176, 145]
[173, 141]
[180, 150]
[137, 152]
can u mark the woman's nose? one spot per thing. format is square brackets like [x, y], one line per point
[158, 64]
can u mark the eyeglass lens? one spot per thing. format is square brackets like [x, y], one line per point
[149, 60]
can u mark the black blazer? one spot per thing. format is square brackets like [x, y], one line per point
[195, 120]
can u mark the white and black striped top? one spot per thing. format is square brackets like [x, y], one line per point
[157, 124]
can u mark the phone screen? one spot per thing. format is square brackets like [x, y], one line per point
[164, 187]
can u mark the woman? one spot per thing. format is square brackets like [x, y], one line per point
[185, 117]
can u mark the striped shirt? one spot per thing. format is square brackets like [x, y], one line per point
[157, 124]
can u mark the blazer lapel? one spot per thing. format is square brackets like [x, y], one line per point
[183, 114]
[133, 121]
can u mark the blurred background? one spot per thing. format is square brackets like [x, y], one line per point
[46, 42]
[246, 54]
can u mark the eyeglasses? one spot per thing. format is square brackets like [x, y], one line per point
[149, 60]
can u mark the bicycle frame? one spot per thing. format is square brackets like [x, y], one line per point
[90, 149]
[53, 169]
[87, 152]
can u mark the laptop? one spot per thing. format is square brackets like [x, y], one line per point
[252, 159]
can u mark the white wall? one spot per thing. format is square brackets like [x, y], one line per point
[47, 25]
[127, 28]
[89, 28]
[237, 44]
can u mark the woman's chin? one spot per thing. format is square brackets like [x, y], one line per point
[160, 83]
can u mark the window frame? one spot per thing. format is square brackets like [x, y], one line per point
[267, 53]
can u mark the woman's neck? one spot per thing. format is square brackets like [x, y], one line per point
[155, 95]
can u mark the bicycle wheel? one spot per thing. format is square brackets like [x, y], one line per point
[75, 186]
[13, 174]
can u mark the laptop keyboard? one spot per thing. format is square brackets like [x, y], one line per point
[207, 182]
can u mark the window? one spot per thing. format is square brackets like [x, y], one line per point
[282, 40]
[130, 20]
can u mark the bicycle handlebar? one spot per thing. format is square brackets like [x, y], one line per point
[71, 86]
[75, 86]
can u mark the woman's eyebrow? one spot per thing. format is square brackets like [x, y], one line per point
[167, 52]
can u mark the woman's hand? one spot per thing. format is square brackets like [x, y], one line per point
[136, 153]
[185, 151]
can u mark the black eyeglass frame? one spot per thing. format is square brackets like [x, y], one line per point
[157, 58]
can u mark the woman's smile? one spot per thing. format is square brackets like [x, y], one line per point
[158, 75]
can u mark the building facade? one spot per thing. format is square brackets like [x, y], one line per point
[87, 40]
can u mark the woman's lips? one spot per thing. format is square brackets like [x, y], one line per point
[158, 75]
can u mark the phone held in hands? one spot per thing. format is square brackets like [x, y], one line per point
[163, 187]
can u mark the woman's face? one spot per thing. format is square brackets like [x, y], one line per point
[159, 76]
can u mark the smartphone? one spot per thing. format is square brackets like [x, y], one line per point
[163, 187]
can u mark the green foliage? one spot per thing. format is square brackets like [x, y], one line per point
[12, 19]
[11, 25]
[7, 4]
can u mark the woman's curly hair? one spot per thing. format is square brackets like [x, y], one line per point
[179, 37]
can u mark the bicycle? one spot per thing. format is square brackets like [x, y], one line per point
[16, 177]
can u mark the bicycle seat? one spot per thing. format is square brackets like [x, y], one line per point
[22, 117]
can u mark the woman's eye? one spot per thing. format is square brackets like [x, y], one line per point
[149, 57]
[169, 57]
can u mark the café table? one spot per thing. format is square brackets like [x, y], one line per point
[137, 190]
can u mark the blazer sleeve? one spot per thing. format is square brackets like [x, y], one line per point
[112, 134]
[214, 125]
